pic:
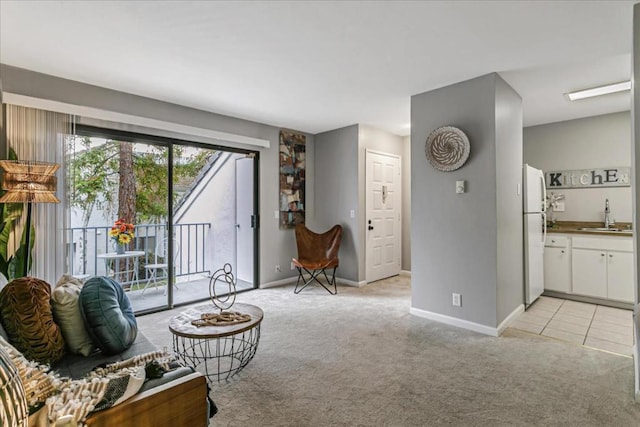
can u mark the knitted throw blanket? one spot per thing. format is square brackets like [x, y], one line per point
[73, 400]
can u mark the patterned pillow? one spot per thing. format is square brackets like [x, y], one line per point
[26, 315]
[13, 401]
[66, 313]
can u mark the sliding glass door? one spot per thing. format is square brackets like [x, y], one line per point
[192, 208]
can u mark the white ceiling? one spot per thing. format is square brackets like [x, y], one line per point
[317, 66]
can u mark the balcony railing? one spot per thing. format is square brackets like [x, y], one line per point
[190, 242]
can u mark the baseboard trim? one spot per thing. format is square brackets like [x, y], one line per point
[454, 321]
[293, 279]
[590, 300]
[348, 282]
[510, 318]
[277, 283]
[405, 273]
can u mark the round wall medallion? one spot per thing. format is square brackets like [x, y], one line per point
[447, 148]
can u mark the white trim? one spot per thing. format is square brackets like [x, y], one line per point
[280, 282]
[96, 113]
[510, 318]
[454, 321]
[405, 273]
[347, 282]
[383, 153]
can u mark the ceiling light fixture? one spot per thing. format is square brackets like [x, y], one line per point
[601, 90]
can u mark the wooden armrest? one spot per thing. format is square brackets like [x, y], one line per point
[181, 402]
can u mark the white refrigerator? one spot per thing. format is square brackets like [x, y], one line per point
[535, 232]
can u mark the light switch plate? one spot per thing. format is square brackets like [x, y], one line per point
[459, 187]
[558, 207]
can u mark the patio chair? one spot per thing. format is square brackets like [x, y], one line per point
[316, 254]
[160, 266]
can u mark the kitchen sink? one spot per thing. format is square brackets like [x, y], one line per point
[605, 230]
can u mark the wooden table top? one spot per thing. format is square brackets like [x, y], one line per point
[180, 325]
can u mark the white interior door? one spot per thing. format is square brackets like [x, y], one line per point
[244, 225]
[383, 214]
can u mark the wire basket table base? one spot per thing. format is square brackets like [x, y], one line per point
[219, 358]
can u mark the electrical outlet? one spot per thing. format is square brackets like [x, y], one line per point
[278, 269]
[456, 300]
[293, 267]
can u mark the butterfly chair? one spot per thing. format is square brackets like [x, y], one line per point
[159, 264]
[316, 254]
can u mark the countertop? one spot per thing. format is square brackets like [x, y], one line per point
[572, 227]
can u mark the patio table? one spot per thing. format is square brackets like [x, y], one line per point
[128, 255]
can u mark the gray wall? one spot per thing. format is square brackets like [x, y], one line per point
[336, 155]
[406, 203]
[456, 242]
[592, 142]
[509, 199]
[276, 246]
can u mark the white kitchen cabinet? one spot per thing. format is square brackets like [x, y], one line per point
[557, 264]
[589, 272]
[603, 267]
[620, 276]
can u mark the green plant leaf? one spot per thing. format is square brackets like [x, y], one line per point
[17, 262]
[13, 266]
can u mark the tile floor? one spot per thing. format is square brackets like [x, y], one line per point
[596, 326]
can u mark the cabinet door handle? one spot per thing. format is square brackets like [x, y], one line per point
[562, 251]
[610, 255]
[601, 254]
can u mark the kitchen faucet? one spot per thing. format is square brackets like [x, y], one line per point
[608, 221]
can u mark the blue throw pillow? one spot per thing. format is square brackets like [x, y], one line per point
[107, 314]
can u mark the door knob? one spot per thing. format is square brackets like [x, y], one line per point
[370, 227]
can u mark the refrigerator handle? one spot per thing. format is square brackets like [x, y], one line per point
[544, 193]
[544, 229]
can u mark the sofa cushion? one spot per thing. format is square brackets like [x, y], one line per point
[76, 366]
[26, 315]
[66, 313]
[107, 313]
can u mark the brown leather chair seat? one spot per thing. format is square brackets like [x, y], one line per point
[316, 254]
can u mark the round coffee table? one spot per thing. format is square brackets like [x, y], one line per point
[221, 351]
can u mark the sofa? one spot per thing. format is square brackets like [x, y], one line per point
[179, 397]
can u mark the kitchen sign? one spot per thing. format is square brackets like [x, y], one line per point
[589, 178]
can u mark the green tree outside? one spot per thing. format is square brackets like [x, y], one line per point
[95, 177]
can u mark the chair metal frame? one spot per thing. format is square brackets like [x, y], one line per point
[330, 244]
[154, 268]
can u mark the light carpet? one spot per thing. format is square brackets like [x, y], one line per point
[360, 359]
